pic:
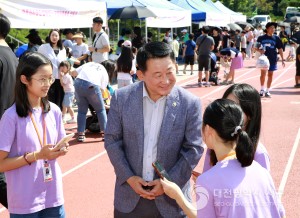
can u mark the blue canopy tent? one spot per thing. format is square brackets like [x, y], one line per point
[213, 16]
[197, 15]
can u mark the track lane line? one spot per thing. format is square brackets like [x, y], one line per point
[84, 163]
[288, 166]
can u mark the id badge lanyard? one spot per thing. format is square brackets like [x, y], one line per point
[46, 166]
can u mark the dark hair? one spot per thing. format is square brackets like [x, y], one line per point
[110, 67]
[97, 20]
[34, 38]
[224, 115]
[205, 29]
[191, 36]
[137, 30]
[250, 102]
[124, 62]
[28, 66]
[174, 35]
[120, 42]
[153, 50]
[67, 31]
[4, 25]
[59, 42]
[133, 49]
[65, 64]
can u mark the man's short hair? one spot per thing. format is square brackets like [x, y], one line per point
[67, 31]
[191, 36]
[4, 26]
[97, 20]
[153, 50]
[205, 29]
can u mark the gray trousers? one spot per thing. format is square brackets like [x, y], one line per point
[144, 209]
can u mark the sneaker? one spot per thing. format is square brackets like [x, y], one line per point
[71, 121]
[268, 95]
[200, 84]
[81, 138]
[207, 84]
[297, 86]
[191, 73]
[262, 93]
[184, 72]
[224, 83]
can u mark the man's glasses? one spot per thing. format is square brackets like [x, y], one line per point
[45, 81]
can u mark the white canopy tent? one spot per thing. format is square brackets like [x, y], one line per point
[49, 14]
[234, 16]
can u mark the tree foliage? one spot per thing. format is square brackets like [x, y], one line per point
[276, 8]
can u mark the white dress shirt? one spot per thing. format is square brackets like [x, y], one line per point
[153, 115]
[48, 51]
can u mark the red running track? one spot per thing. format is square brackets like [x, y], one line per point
[89, 178]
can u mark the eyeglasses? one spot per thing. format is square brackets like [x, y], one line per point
[45, 81]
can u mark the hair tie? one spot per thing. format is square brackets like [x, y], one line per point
[236, 130]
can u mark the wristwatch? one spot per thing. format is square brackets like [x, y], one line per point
[96, 49]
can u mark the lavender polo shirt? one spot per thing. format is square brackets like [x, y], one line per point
[229, 190]
[261, 156]
[26, 190]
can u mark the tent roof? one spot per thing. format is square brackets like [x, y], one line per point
[193, 6]
[113, 5]
[223, 8]
[234, 15]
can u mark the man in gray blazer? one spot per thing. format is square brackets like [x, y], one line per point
[148, 121]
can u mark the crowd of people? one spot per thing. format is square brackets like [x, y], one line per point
[150, 119]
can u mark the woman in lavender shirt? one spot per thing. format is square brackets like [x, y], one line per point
[29, 129]
[249, 100]
[237, 186]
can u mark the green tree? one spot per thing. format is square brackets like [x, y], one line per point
[264, 6]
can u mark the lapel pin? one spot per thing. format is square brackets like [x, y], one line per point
[174, 104]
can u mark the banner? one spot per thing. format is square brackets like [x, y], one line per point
[167, 18]
[49, 14]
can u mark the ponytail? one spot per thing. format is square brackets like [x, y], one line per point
[244, 149]
[213, 158]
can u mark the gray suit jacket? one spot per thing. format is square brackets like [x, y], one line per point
[178, 148]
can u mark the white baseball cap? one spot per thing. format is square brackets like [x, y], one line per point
[127, 43]
[184, 31]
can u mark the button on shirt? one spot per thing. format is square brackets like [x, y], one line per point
[153, 115]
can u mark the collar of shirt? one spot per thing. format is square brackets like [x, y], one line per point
[146, 95]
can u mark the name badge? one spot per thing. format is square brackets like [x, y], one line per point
[47, 172]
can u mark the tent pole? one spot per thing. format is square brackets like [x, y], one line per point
[118, 30]
[146, 37]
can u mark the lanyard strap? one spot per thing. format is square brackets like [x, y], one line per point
[94, 43]
[231, 154]
[37, 131]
